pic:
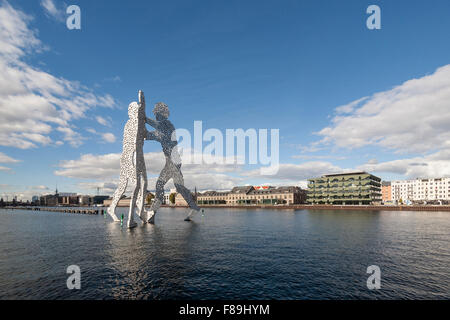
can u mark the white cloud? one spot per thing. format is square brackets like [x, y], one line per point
[109, 137]
[348, 108]
[52, 10]
[431, 166]
[36, 137]
[41, 187]
[7, 159]
[2, 168]
[33, 102]
[318, 157]
[106, 137]
[298, 172]
[104, 121]
[74, 138]
[412, 118]
[15, 36]
[90, 167]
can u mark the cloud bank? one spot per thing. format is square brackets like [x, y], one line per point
[35, 106]
[411, 118]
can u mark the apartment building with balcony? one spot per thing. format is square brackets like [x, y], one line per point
[353, 188]
[421, 190]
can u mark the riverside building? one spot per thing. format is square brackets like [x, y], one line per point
[386, 192]
[421, 191]
[254, 195]
[353, 188]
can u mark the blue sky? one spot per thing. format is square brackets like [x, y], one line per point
[232, 64]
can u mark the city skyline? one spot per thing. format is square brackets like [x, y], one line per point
[344, 98]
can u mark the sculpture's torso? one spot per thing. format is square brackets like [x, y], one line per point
[163, 134]
[132, 162]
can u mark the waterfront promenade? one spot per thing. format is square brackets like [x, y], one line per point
[332, 207]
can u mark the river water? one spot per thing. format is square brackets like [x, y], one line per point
[227, 254]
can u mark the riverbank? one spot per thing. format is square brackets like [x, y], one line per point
[101, 210]
[328, 207]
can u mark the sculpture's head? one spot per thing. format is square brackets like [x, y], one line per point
[133, 110]
[161, 111]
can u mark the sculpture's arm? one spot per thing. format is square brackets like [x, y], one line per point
[150, 135]
[141, 98]
[152, 122]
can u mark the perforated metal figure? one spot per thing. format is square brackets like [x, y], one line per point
[164, 133]
[132, 163]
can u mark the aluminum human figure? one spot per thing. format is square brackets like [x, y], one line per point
[164, 133]
[132, 163]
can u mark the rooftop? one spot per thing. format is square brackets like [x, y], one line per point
[251, 190]
[345, 174]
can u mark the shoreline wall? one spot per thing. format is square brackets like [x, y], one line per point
[326, 207]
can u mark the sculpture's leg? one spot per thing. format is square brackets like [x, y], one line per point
[191, 213]
[131, 223]
[140, 202]
[159, 196]
[116, 198]
[179, 185]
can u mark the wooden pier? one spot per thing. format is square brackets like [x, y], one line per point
[91, 211]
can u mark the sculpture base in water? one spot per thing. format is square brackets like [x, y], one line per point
[151, 217]
[191, 213]
[131, 225]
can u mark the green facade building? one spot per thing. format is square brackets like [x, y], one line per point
[355, 188]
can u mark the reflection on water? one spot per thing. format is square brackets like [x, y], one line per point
[226, 254]
[139, 254]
